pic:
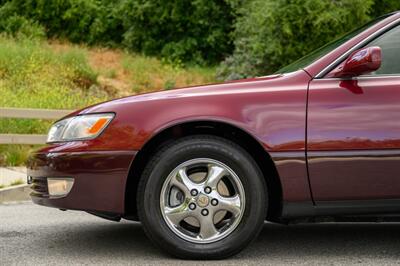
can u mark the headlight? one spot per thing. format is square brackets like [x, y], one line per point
[79, 127]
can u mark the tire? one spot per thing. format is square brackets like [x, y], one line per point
[237, 227]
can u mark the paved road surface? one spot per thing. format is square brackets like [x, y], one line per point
[34, 235]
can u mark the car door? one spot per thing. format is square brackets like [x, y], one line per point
[353, 138]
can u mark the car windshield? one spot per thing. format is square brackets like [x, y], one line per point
[316, 54]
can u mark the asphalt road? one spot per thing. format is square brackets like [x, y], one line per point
[35, 235]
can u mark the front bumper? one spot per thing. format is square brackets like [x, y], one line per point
[99, 179]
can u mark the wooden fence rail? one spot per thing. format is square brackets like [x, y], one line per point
[30, 114]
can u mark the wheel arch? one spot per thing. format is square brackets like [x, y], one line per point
[208, 127]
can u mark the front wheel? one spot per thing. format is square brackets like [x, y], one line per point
[202, 197]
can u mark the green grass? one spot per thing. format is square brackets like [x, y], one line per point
[2, 186]
[38, 74]
[151, 74]
[17, 182]
[33, 75]
[14, 155]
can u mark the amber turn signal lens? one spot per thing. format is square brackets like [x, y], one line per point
[98, 126]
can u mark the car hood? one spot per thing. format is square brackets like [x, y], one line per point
[270, 82]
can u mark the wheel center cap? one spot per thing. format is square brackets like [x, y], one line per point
[202, 201]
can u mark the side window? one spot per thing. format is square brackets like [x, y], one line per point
[389, 42]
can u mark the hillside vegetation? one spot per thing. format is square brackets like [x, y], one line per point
[54, 75]
[67, 54]
[249, 37]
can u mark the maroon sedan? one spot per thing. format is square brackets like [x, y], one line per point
[203, 167]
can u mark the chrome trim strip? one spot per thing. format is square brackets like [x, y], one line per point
[364, 77]
[287, 154]
[354, 153]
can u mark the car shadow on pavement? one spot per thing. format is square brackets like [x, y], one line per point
[276, 244]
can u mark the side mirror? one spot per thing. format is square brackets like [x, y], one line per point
[360, 62]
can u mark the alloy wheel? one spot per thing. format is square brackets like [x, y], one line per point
[202, 200]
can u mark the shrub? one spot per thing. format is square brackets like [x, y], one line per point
[21, 27]
[189, 31]
[90, 21]
[272, 33]
[381, 7]
[196, 31]
[262, 34]
[46, 13]
[93, 22]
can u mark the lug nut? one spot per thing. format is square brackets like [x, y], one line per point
[214, 202]
[204, 212]
[194, 192]
[207, 190]
[192, 206]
